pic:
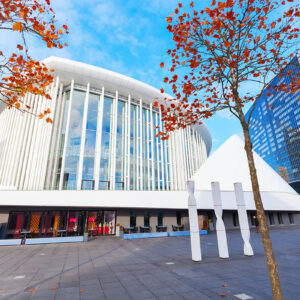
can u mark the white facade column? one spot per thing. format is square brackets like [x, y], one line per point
[55, 136]
[166, 163]
[148, 149]
[152, 148]
[183, 157]
[193, 220]
[157, 153]
[3, 139]
[126, 146]
[173, 167]
[98, 140]
[28, 120]
[243, 218]
[191, 151]
[60, 115]
[10, 137]
[61, 179]
[31, 151]
[141, 144]
[19, 136]
[36, 150]
[46, 139]
[177, 150]
[137, 146]
[128, 141]
[162, 153]
[83, 135]
[113, 142]
[220, 227]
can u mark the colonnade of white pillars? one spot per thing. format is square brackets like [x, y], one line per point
[25, 142]
[30, 152]
[171, 155]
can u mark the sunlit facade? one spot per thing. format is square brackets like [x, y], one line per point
[99, 163]
[103, 137]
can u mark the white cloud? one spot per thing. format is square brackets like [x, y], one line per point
[225, 114]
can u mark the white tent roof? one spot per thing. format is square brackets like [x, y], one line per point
[228, 165]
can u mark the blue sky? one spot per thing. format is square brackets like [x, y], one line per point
[129, 37]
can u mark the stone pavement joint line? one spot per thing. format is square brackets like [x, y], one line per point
[109, 268]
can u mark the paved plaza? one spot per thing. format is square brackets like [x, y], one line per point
[158, 268]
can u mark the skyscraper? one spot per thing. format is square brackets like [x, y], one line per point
[275, 127]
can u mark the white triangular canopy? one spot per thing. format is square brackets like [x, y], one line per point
[229, 164]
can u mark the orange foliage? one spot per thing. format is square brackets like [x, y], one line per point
[218, 49]
[19, 73]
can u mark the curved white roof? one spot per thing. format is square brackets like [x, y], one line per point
[83, 74]
[98, 77]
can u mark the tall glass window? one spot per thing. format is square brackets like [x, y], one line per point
[133, 146]
[74, 140]
[104, 183]
[152, 161]
[88, 180]
[271, 218]
[120, 147]
[156, 152]
[145, 150]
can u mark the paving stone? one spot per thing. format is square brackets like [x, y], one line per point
[110, 268]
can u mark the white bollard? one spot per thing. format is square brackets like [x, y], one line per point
[220, 227]
[243, 219]
[193, 219]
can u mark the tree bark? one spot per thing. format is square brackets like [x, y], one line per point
[270, 258]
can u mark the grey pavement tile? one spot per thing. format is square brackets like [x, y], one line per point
[163, 292]
[195, 295]
[118, 269]
[171, 297]
[137, 295]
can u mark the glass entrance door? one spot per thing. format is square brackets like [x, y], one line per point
[101, 222]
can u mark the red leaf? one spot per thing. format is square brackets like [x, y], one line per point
[162, 64]
[227, 44]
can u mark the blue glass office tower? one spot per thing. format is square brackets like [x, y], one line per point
[275, 133]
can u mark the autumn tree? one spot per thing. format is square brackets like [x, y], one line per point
[221, 51]
[19, 72]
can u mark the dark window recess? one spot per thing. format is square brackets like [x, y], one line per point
[160, 218]
[291, 218]
[279, 216]
[132, 219]
[252, 215]
[271, 218]
[178, 217]
[147, 218]
[235, 219]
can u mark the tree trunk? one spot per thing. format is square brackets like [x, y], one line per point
[270, 258]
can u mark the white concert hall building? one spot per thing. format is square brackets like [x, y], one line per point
[100, 162]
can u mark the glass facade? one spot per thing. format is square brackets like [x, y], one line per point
[110, 142]
[60, 223]
[275, 133]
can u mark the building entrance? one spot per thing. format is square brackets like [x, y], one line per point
[101, 222]
[60, 223]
